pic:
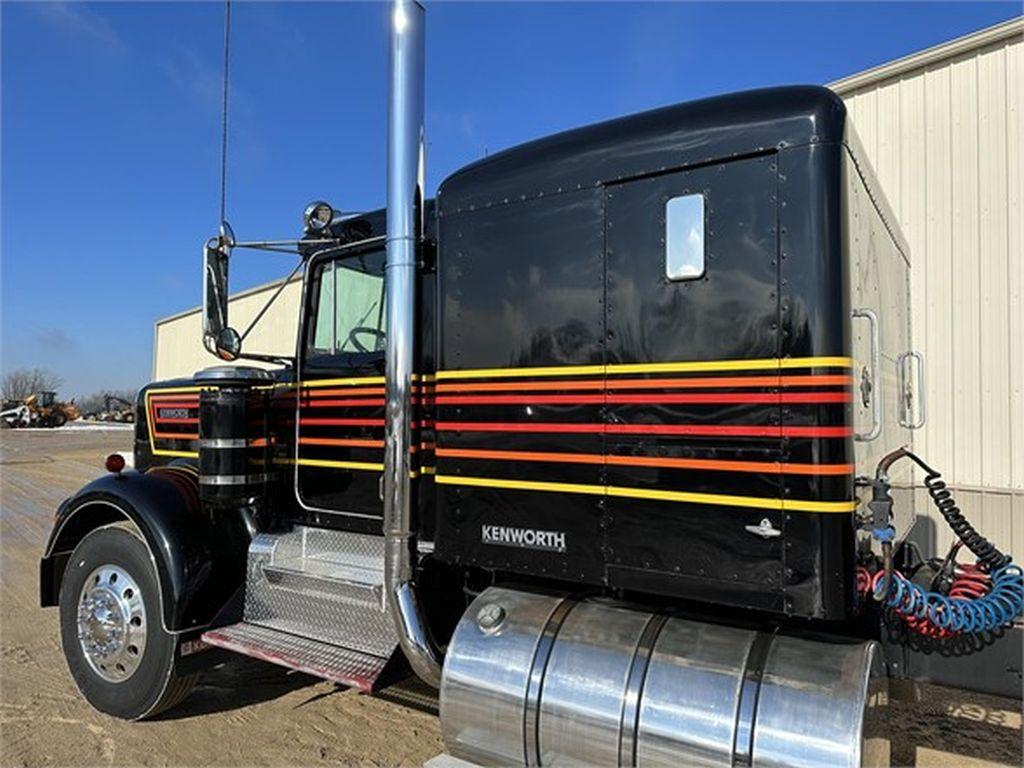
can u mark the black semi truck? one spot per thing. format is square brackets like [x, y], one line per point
[605, 441]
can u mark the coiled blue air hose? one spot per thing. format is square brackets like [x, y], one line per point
[1003, 603]
[998, 608]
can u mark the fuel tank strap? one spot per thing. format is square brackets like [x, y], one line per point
[541, 654]
[746, 708]
[629, 720]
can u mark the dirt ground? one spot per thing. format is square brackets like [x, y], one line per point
[251, 713]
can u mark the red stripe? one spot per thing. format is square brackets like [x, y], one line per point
[771, 398]
[356, 402]
[342, 422]
[348, 401]
[162, 420]
[318, 422]
[732, 430]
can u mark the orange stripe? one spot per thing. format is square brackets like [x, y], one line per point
[651, 461]
[174, 436]
[675, 383]
[315, 392]
[349, 442]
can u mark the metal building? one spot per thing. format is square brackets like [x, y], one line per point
[177, 340]
[943, 130]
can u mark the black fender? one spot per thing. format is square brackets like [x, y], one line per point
[199, 556]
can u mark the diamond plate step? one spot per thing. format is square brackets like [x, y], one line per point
[314, 578]
[320, 584]
[331, 662]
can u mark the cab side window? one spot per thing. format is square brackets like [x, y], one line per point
[348, 314]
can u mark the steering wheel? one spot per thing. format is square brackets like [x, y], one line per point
[380, 338]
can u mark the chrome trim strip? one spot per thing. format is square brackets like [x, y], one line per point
[232, 479]
[223, 442]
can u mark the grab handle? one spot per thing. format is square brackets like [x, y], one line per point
[869, 379]
[906, 395]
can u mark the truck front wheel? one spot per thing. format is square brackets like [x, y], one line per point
[120, 656]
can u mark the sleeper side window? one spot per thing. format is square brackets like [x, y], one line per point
[349, 314]
[684, 237]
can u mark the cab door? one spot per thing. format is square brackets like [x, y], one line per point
[339, 458]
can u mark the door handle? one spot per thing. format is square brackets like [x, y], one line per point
[871, 386]
[906, 395]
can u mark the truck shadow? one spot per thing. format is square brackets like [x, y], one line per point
[237, 683]
[241, 681]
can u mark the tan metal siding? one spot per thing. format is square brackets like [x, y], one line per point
[945, 139]
[178, 340]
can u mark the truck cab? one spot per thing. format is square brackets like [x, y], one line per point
[590, 425]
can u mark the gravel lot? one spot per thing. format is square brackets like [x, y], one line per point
[250, 713]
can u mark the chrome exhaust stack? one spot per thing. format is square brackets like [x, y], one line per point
[404, 231]
[533, 679]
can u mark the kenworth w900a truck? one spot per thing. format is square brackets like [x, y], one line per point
[610, 441]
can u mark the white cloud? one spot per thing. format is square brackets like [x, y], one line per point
[82, 21]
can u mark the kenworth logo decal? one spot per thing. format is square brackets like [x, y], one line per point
[529, 538]
[172, 413]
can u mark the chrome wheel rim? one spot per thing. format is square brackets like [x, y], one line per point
[112, 623]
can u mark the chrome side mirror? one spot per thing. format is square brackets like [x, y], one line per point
[216, 253]
[228, 344]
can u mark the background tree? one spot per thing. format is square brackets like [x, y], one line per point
[19, 384]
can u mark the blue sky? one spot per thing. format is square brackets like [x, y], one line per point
[110, 127]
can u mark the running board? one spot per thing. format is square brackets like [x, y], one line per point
[362, 671]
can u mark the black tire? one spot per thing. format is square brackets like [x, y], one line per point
[58, 419]
[155, 685]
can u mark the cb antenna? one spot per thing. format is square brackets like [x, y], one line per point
[224, 116]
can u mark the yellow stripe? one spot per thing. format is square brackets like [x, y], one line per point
[360, 465]
[768, 363]
[344, 382]
[816, 362]
[176, 389]
[367, 465]
[486, 373]
[354, 380]
[179, 454]
[643, 493]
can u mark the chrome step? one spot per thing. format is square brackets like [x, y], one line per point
[340, 665]
[324, 585]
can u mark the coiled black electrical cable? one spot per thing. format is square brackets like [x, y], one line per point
[983, 549]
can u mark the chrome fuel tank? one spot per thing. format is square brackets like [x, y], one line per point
[532, 679]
